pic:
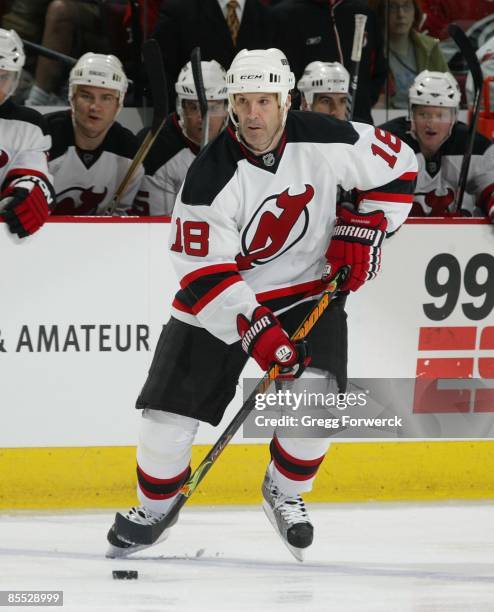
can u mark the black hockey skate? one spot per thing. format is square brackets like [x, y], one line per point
[289, 517]
[120, 547]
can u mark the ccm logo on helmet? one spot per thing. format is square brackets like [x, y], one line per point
[251, 76]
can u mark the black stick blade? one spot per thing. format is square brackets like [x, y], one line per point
[195, 60]
[468, 52]
[153, 63]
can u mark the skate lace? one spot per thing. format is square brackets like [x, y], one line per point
[291, 508]
[143, 516]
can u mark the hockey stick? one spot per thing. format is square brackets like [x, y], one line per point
[358, 41]
[195, 60]
[468, 52]
[54, 55]
[153, 62]
[148, 534]
[49, 53]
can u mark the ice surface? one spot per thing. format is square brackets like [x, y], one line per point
[372, 557]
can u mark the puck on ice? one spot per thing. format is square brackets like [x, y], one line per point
[125, 575]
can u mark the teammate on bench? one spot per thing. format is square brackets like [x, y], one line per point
[439, 141]
[27, 193]
[178, 142]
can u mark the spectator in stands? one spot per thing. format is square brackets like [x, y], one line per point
[440, 13]
[324, 89]
[220, 28]
[68, 26]
[311, 30]
[178, 142]
[91, 152]
[410, 51]
[27, 193]
[440, 141]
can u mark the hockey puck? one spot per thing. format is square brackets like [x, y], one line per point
[125, 575]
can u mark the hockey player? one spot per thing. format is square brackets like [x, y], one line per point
[251, 229]
[324, 88]
[27, 193]
[439, 141]
[91, 152]
[178, 142]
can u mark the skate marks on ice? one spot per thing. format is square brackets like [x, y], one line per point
[435, 557]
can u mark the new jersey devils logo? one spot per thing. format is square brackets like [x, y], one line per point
[438, 204]
[4, 158]
[279, 222]
[79, 201]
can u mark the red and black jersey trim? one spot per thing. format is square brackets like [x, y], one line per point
[204, 285]
[397, 191]
[279, 299]
[161, 488]
[291, 467]
[270, 160]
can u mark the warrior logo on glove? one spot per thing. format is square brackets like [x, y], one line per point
[264, 339]
[356, 242]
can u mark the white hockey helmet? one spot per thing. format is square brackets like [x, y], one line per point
[323, 77]
[214, 77]
[12, 57]
[99, 70]
[259, 71]
[435, 89]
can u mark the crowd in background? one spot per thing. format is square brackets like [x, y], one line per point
[403, 38]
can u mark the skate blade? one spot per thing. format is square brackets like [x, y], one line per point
[298, 553]
[117, 552]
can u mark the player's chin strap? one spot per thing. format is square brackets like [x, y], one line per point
[148, 534]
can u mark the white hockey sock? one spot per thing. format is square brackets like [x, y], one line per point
[163, 457]
[295, 462]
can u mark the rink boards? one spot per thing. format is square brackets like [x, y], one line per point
[82, 305]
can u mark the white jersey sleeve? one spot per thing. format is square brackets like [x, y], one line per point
[380, 166]
[24, 148]
[204, 241]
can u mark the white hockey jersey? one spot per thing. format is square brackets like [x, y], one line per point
[85, 181]
[165, 166]
[437, 180]
[24, 145]
[254, 229]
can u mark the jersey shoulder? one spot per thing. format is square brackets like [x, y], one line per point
[303, 126]
[211, 170]
[168, 143]
[11, 111]
[459, 140]
[120, 141]
[400, 126]
[59, 125]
